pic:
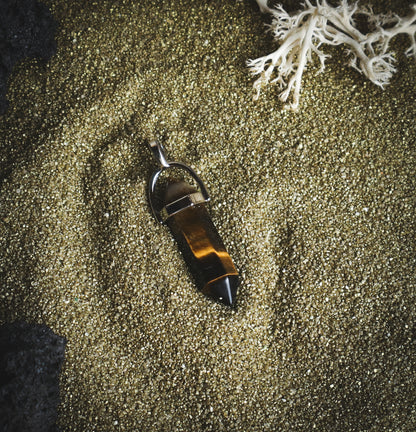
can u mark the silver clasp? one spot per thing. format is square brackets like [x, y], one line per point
[159, 153]
[199, 197]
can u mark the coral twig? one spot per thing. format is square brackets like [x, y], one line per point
[303, 33]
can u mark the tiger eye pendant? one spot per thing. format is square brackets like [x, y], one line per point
[182, 208]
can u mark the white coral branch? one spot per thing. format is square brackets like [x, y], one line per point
[302, 34]
[264, 8]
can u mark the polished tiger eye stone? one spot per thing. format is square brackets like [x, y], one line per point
[202, 247]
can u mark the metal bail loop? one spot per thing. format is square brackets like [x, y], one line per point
[159, 153]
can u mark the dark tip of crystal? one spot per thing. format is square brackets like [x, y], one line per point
[223, 290]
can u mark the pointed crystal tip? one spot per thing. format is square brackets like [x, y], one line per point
[223, 290]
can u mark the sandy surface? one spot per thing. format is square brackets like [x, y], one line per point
[317, 209]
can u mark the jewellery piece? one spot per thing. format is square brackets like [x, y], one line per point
[182, 208]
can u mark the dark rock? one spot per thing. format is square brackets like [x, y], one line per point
[27, 29]
[30, 363]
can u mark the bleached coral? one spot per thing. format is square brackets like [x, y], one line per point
[264, 8]
[303, 33]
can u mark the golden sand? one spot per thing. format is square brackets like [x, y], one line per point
[317, 209]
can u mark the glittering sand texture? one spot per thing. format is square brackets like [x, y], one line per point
[317, 209]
